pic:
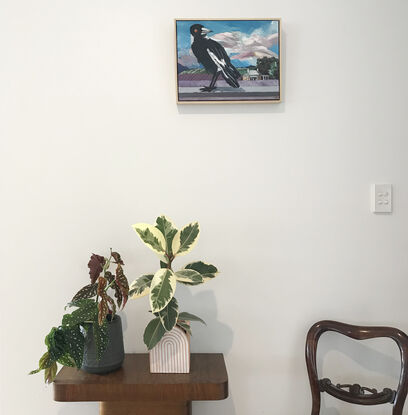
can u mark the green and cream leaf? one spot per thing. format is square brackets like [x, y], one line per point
[141, 286]
[207, 271]
[185, 326]
[167, 228]
[189, 276]
[185, 239]
[169, 314]
[162, 289]
[190, 317]
[151, 236]
[153, 333]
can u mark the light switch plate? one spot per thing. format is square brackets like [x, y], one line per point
[381, 198]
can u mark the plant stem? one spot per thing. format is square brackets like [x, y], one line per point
[170, 259]
[110, 284]
[106, 268]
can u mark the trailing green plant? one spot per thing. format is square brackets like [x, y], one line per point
[92, 306]
[166, 241]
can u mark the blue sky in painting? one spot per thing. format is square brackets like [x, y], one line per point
[246, 29]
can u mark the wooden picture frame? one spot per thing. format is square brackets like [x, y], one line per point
[232, 61]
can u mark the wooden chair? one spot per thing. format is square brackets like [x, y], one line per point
[354, 393]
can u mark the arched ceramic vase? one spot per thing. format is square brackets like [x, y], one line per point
[172, 353]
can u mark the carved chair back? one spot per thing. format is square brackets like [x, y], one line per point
[354, 393]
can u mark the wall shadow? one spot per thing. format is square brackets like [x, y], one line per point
[215, 337]
[75, 408]
[224, 407]
[226, 109]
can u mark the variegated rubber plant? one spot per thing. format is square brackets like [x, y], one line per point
[93, 307]
[166, 241]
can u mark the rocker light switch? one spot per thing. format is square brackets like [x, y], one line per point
[381, 198]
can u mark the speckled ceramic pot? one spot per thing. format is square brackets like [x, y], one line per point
[114, 354]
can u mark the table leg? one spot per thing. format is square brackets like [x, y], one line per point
[145, 408]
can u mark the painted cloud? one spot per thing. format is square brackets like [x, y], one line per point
[246, 47]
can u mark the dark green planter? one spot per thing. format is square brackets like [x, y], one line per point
[114, 354]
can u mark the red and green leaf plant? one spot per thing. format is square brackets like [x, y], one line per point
[94, 307]
[166, 241]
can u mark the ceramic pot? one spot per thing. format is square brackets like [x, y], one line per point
[114, 354]
[172, 353]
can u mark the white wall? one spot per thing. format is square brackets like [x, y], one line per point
[92, 141]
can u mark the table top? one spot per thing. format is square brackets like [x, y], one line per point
[207, 380]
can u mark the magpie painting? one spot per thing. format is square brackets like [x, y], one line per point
[213, 57]
[228, 60]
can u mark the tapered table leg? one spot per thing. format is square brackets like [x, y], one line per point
[145, 408]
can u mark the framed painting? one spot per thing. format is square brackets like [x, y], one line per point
[228, 60]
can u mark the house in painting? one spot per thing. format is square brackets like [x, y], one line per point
[250, 75]
[253, 75]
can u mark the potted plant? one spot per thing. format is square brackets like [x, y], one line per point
[167, 336]
[90, 337]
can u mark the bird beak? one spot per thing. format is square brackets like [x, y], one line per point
[204, 30]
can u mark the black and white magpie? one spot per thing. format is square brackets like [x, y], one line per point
[213, 57]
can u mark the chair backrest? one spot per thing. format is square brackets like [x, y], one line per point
[354, 393]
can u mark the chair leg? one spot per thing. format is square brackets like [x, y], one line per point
[316, 405]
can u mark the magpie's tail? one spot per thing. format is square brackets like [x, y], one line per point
[231, 75]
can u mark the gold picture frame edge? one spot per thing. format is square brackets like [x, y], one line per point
[235, 101]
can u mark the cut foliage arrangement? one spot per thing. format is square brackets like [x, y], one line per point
[166, 241]
[93, 307]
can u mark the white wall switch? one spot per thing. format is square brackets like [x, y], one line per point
[381, 198]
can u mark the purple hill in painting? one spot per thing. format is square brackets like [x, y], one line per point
[181, 68]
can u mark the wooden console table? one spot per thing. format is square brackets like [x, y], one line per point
[133, 390]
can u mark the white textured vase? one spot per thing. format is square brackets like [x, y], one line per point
[172, 353]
